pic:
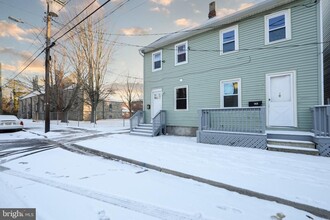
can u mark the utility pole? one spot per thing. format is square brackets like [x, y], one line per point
[0, 89]
[47, 64]
[49, 15]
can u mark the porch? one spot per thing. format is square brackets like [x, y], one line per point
[246, 127]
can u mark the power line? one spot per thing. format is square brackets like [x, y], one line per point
[74, 17]
[25, 67]
[81, 21]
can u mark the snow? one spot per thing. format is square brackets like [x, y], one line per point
[65, 185]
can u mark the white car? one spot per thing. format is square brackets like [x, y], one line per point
[10, 122]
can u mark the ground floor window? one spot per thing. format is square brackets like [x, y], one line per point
[181, 98]
[230, 93]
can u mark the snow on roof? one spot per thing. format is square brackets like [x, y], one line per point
[32, 94]
[214, 23]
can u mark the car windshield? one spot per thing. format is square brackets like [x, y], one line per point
[8, 117]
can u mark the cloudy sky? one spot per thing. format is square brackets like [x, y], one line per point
[19, 41]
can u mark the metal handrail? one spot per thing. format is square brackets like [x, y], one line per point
[159, 123]
[136, 119]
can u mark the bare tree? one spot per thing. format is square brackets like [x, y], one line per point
[65, 86]
[90, 57]
[130, 92]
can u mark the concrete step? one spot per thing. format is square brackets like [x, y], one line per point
[145, 125]
[292, 143]
[141, 133]
[293, 149]
[142, 129]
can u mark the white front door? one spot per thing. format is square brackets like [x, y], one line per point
[281, 100]
[156, 102]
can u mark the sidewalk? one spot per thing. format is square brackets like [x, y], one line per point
[300, 181]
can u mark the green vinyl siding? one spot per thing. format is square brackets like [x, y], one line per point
[206, 67]
[326, 49]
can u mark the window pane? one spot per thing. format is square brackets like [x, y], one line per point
[181, 93]
[181, 104]
[277, 22]
[229, 36]
[230, 101]
[157, 57]
[277, 34]
[181, 58]
[157, 65]
[230, 88]
[181, 98]
[227, 47]
[181, 49]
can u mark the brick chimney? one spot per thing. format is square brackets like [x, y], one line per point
[212, 11]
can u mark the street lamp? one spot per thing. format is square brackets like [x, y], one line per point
[18, 20]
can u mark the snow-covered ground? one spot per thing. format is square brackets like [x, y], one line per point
[65, 185]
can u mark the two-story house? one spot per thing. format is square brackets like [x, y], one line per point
[259, 70]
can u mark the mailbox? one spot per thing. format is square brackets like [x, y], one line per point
[255, 103]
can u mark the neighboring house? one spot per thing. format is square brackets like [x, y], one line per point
[268, 56]
[136, 106]
[31, 106]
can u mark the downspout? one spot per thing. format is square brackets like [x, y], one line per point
[320, 8]
[142, 54]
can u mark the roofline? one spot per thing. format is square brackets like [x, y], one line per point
[215, 23]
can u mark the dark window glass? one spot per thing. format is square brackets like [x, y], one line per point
[181, 53]
[230, 101]
[228, 41]
[181, 57]
[157, 61]
[157, 65]
[181, 98]
[181, 104]
[227, 47]
[229, 36]
[277, 28]
[277, 22]
[277, 34]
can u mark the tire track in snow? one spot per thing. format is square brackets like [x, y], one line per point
[144, 208]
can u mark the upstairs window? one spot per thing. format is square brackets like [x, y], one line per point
[229, 40]
[181, 53]
[278, 27]
[181, 98]
[157, 61]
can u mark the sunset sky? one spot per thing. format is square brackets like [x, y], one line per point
[18, 41]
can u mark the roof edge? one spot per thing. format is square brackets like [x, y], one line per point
[214, 23]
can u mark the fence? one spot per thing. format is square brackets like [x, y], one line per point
[74, 116]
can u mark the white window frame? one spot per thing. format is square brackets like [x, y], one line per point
[176, 53]
[287, 16]
[222, 82]
[153, 60]
[187, 91]
[222, 32]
